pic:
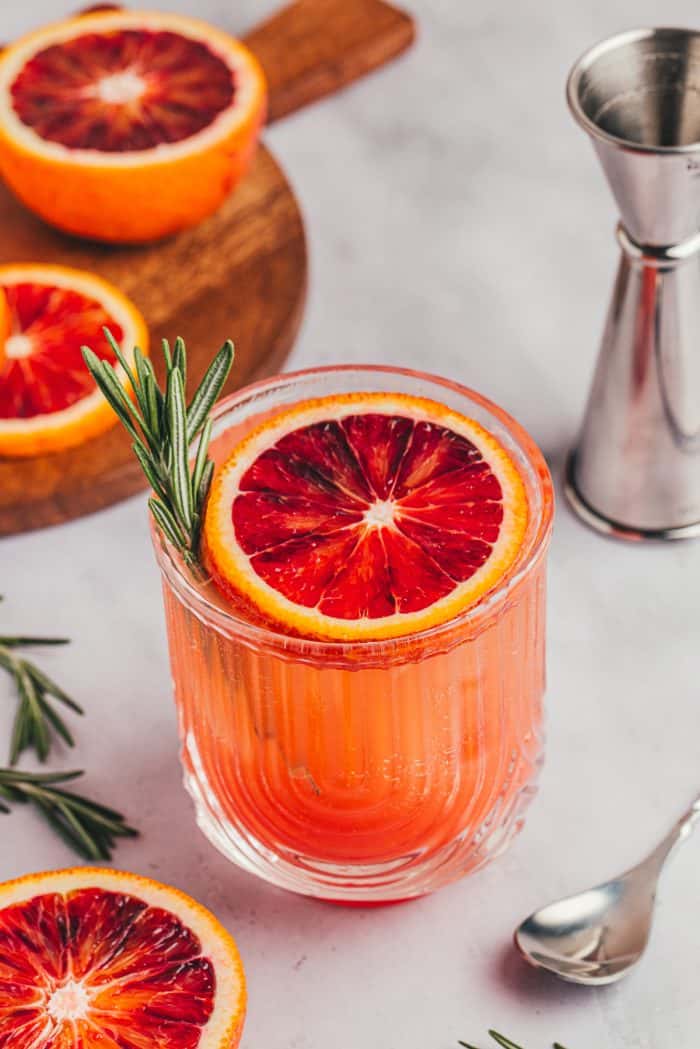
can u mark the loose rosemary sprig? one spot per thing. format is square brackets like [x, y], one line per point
[37, 721]
[87, 827]
[505, 1043]
[163, 428]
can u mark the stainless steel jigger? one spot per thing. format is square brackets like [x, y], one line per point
[636, 470]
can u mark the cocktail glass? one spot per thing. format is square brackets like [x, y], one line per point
[364, 771]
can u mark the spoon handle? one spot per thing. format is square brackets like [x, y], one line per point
[681, 830]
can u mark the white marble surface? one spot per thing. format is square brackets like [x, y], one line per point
[457, 223]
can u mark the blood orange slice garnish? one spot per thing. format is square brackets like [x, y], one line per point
[126, 125]
[364, 516]
[48, 400]
[100, 959]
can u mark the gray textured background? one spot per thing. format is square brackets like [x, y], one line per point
[457, 223]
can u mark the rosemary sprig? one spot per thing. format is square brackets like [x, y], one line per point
[163, 426]
[505, 1043]
[37, 721]
[87, 827]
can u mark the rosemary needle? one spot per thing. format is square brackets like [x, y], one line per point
[89, 828]
[162, 427]
[16, 642]
[504, 1042]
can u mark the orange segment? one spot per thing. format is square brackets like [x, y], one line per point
[4, 325]
[364, 516]
[48, 400]
[101, 959]
[127, 126]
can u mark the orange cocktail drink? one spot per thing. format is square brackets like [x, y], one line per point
[359, 680]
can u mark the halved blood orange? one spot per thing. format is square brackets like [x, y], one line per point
[126, 125]
[363, 516]
[48, 400]
[100, 959]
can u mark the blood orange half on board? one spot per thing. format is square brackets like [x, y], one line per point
[100, 959]
[127, 126]
[48, 400]
[364, 516]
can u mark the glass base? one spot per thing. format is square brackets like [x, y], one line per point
[404, 878]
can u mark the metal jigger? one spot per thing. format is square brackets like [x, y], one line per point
[636, 470]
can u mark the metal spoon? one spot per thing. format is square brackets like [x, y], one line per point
[597, 936]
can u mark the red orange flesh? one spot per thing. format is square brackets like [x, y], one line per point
[100, 959]
[48, 400]
[364, 516]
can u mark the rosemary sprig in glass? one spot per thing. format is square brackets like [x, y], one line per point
[87, 827]
[37, 721]
[504, 1042]
[163, 426]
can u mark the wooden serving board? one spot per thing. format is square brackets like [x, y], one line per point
[241, 274]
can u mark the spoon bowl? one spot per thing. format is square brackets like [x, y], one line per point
[593, 938]
[597, 936]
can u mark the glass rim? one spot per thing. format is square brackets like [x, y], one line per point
[315, 650]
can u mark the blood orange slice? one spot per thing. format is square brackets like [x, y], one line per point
[100, 959]
[48, 400]
[364, 516]
[127, 126]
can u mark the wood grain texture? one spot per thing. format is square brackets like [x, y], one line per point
[241, 274]
[314, 48]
